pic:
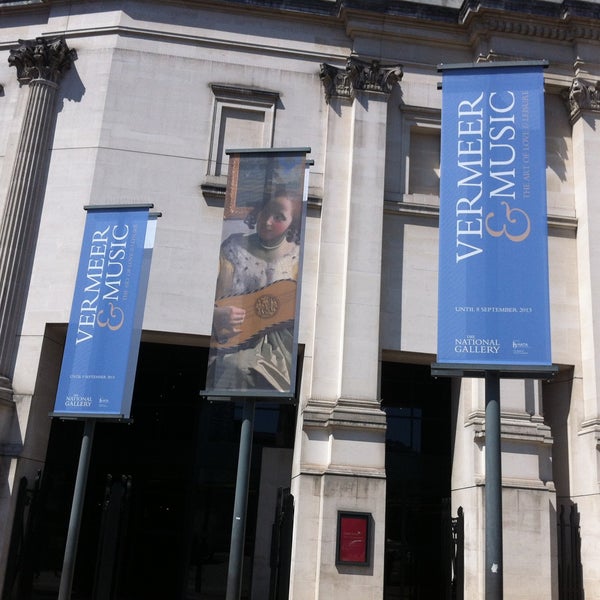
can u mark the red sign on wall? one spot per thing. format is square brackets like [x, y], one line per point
[353, 538]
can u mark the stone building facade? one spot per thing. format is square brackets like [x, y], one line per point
[138, 101]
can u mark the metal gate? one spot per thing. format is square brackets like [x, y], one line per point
[570, 577]
[426, 560]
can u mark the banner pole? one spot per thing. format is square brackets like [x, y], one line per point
[493, 489]
[68, 570]
[238, 527]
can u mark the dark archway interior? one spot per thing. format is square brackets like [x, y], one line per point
[159, 498]
[418, 462]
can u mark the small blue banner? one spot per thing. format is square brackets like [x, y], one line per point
[493, 303]
[100, 357]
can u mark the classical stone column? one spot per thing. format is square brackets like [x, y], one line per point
[40, 64]
[342, 455]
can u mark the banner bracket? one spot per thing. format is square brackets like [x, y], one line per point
[544, 63]
[544, 372]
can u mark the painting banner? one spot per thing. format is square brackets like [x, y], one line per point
[253, 348]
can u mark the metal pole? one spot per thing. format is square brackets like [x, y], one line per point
[238, 527]
[66, 577]
[493, 489]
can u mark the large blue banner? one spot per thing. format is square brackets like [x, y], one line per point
[493, 270]
[99, 362]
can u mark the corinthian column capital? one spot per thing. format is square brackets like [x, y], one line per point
[359, 75]
[373, 76]
[42, 58]
[582, 95]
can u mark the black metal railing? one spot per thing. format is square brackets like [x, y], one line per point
[426, 558]
[570, 577]
[23, 542]
[458, 556]
[281, 545]
[111, 544]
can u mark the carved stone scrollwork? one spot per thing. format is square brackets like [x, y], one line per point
[41, 58]
[372, 76]
[359, 75]
[336, 82]
[582, 95]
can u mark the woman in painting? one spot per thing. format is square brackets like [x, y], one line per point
[253, 322]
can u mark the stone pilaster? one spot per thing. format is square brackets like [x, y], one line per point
[40, 64]
[583, 102]
[342, 458]
[583, 99]
[352, 218]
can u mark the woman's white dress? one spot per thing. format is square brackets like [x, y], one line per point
[265, 362]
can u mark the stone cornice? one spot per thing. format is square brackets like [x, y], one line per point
[520, 26]
[566, 10]
[566, 22]
[359, 75]
[477, 20]
[42, 58]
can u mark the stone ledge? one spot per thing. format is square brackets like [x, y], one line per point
[346, 413]
[513, 427]
[591, 426]
[316, 413]
[520, 483]
[341, 471]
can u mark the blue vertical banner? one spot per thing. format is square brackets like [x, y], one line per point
[493, 299]
[102, 345]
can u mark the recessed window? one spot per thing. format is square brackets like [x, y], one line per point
[242, 118]
[424, 161]
[420, 151]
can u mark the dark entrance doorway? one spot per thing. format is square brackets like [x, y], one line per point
[159, 498]
[418, 460]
